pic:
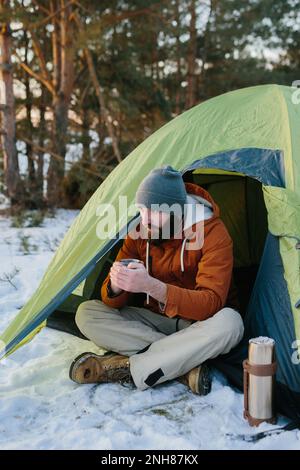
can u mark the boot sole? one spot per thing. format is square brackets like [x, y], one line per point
[200, 382]
[79, 360]
[204, 380]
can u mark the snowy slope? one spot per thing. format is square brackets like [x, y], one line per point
[40, 408]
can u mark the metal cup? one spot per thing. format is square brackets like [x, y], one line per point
[126, 261]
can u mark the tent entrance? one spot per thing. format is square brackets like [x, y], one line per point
[244, 214]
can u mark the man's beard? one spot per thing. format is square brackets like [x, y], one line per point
[164, 233]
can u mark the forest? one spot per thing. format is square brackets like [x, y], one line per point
[82, 83]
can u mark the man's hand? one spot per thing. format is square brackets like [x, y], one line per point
[136, 280]
[131, 278]
[115, 289]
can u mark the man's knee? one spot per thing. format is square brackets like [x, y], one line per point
[232, 324]
[88, 309]
[225, 326]
[82, 314]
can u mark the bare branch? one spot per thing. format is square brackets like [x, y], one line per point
[112, 18]
[56, 46]
[35, 75]
[51, 15]
[84, 93]
[79, 74]
[41, 7]
[8, 277]
[41, 58]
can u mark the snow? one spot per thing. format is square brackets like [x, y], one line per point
[4, 202]
[41, 408]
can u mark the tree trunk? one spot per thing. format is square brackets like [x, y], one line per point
[206, 45]
[86, 136]
[29, 149]
[40, 155]
[8, 131]
[56, 168]
[191, 59]
[64, 71]
[178, 108]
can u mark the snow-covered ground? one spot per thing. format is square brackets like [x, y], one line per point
[40, 408]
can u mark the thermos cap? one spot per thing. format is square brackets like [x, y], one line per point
[262, 340]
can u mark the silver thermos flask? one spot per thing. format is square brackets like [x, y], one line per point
[259, 372]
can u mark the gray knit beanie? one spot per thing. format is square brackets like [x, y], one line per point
[162, 186]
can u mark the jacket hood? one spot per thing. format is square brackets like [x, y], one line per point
[202, 196]
[200, 206]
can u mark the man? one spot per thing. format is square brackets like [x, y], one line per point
[186, 279]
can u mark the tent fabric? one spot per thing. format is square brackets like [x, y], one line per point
[270, 295]
[283, 206]
[265, 165]
[90, 286]
[253, 131]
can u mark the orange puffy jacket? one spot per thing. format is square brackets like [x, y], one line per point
[199, 281]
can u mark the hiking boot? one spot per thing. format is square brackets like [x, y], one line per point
[90, 368]
[198, 380]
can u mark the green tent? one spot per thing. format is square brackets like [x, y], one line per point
[244, 147]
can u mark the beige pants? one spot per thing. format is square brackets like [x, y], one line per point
[160, 348]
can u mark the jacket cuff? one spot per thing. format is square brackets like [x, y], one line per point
[109, 291]
[171, 305]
